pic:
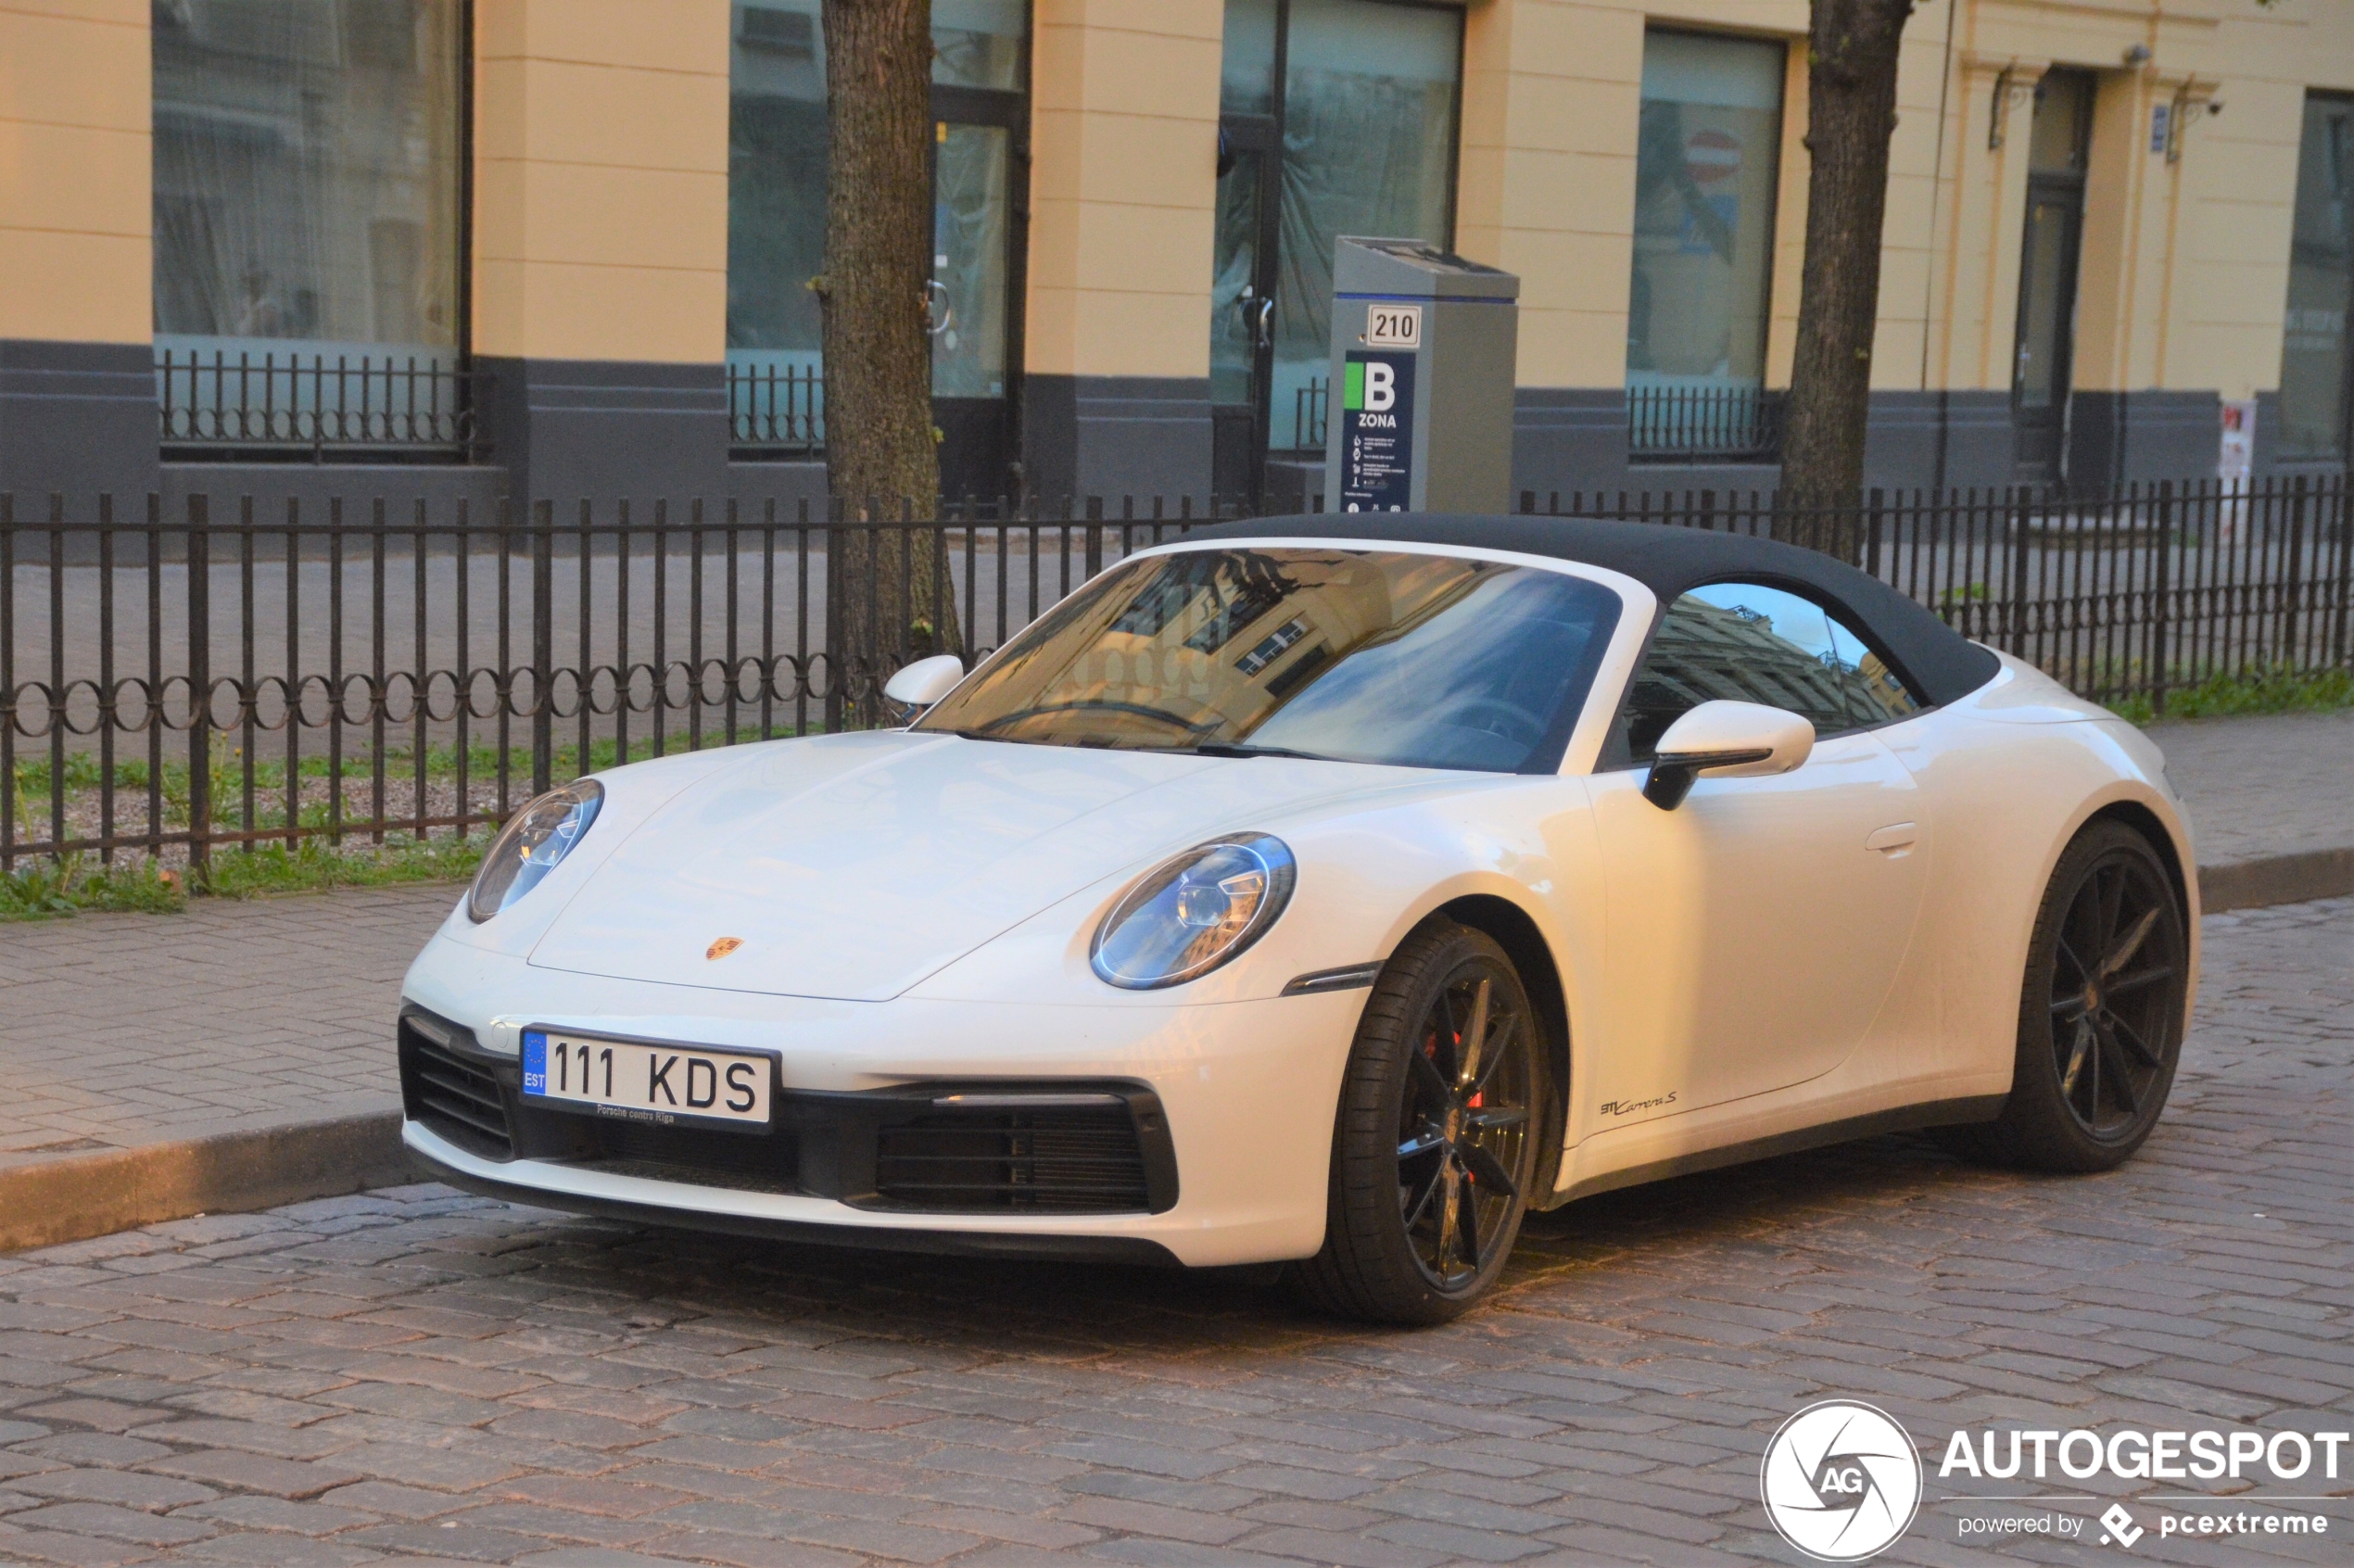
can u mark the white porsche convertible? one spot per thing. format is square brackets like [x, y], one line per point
[1330, 890]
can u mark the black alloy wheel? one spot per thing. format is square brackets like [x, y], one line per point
[2113, 995]
[1462, 1123]
[1434, 1146]
[2101, 1011]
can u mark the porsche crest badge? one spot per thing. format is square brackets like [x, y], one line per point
[723, 947]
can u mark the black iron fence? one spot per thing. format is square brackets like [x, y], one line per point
[343, 407]
[1703, 424]
[225, 676]
[776, 411]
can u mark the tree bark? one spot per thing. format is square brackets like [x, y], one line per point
[891, 595]
[1851, 114]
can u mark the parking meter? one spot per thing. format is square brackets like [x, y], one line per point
[1418, 411]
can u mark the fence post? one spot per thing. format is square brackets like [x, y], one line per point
[2343, 534]
[1873, 521]
[2015, 546]
[2160, 587]
[8, 681]
[543, 645]
[1094, 535]
[199, 680]
[2293, 576]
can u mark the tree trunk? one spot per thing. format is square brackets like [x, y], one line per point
[891, 594]
[1851, 114]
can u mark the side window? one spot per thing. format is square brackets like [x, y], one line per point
[1751, 643]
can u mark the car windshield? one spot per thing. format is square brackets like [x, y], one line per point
[1361, 655]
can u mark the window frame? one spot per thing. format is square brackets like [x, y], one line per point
[1717, 427]
[1617, 755]
[466, 447]
[2344, 454]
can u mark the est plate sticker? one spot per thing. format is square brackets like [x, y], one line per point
[643, 1082]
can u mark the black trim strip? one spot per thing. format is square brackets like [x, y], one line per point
[1904, 1118]
[1318, 980]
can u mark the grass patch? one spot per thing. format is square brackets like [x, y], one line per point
[313, 866]
[72, 884]
[2264, 691]
[76, 885]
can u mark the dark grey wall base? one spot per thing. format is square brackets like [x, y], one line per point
[1574, 439]
[1938, 441]
[313, 489]
[2268, 459]
[603, 428]
[752, 485]
[1568, 438]
[1114, 435]
[2136, 438]
[76, 419]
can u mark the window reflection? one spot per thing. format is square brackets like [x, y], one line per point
[1707, 159]
[2315, 370]
[1363, 655]
[1745, 642]
[307, 178]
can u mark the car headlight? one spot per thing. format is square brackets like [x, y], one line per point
[1192, 912]
[532, 843]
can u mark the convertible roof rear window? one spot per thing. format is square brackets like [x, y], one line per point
[1403, 657]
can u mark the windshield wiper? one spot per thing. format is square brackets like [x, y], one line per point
[1218, 748]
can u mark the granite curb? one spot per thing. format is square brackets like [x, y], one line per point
[46, 1202]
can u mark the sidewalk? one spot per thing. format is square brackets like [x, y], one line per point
[239, 1056]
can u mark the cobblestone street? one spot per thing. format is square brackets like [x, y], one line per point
[416, 1375]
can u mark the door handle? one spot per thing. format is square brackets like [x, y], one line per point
[1897, 838]
[1266, 324]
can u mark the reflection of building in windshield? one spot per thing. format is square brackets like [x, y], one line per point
[1212, 644]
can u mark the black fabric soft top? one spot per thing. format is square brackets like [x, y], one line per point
[1935, 660]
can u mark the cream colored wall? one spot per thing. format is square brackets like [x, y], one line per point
[1551, 90]
[601, 179]
[1123, 186]
[2185, 263]
[76, 170]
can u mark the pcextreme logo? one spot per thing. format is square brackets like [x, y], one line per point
[1840, 1481]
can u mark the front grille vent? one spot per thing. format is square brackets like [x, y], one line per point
[699, 1156]
[454, 1097]
[1080, 1159]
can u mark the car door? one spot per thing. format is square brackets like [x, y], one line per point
[1753, 933]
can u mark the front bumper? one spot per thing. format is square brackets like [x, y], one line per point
[1198, 1135]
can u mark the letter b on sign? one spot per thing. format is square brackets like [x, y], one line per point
[1380, 387]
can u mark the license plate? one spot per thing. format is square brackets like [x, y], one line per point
[642, 1082]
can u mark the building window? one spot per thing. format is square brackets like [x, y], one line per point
[1338, 118]
[309, 236]
[2316, 377]
[1707, 161]
[776, 228]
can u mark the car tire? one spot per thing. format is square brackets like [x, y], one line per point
[1435, 1142]
[2100, 1011]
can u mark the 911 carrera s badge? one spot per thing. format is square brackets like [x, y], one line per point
[723, 947]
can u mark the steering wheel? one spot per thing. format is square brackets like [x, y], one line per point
[1518, 723]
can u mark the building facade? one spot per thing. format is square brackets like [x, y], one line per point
[560, 248]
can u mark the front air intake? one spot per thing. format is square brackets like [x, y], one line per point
[985, 1154]
[445, 1090]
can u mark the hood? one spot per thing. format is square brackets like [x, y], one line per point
[850, 866]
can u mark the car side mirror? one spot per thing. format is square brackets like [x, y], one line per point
[1729, 740]
[918, 686]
